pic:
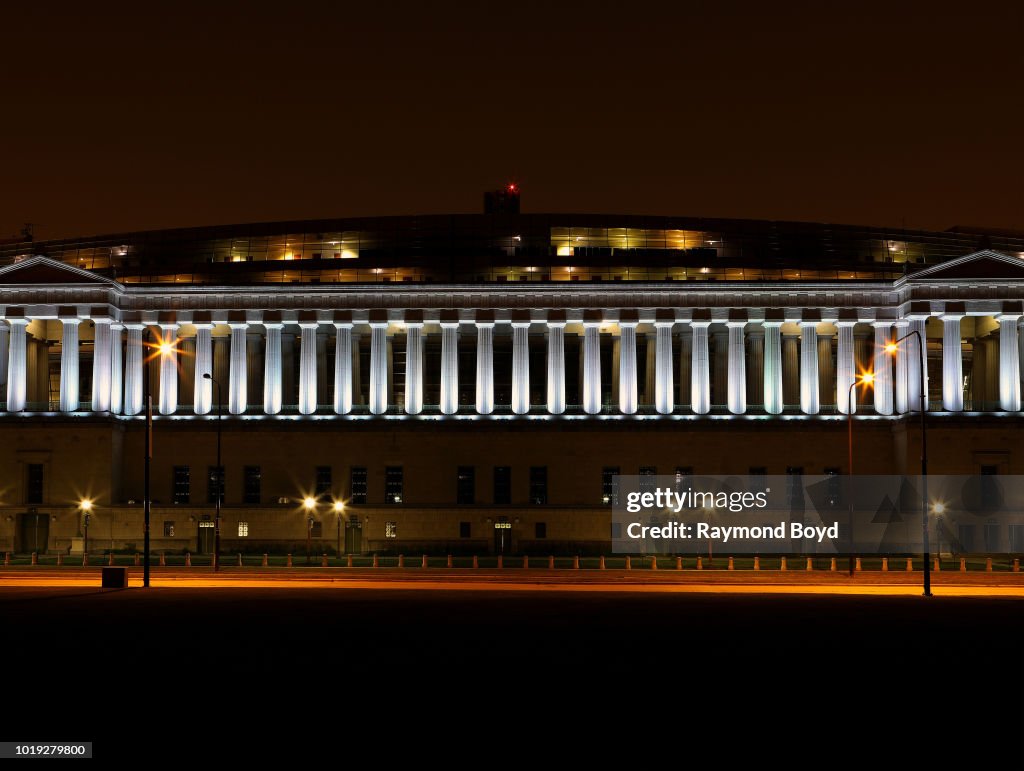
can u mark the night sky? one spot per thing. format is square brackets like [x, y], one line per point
[122, 121]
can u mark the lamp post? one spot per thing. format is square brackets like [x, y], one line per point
[147, 504]
[892, 348]
[866, 378]
[339, 510]
[220, 476]
[86, 507]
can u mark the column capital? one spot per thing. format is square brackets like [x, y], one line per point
[700, 323]
[238, 324]
[845, 323]
[555, 324]
[664, 324]
[805, 323]
[736, 324]
[772, 323]
[951, 316]
[116, 326]
[901, 323]
[377, 324]
[449, 325]
[516, 324]
[628, 324]
[170, 327]
[592, 324]
[408, 324]
[882, 323]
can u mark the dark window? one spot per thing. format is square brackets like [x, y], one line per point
[648, 481]
[466, 485]
[316, 529]
[393, 483]
[251, 489]
[795, 491]
[323, 481]
[538, 485]
[502, 484]
[34, 483]
[616, 530]
[608, 492]
[990, 497]
[358, 492]
[966, 535]
[168, 528]
[464, 530]
[991, 537]
[182, 492]
[540, 530]
[215, 484]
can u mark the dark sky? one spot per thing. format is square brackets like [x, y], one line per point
[117, 121]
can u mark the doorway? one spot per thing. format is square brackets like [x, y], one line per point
[34, 532]
[204, 544]
[502, 536]
[353, 535]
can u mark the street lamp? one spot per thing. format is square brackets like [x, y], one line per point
[892, 348]
[339, 510]
[86, 507]
[309, 503]
[147, 503]
[220, 475]
[866, 379]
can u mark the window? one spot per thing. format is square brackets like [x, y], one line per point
[34, 483]
[182, 488]
[391, 530]
[538, 485]
[168, 528]
[991, 537]
[990, 497]
[608, 491]
[795, 486]
[502, 484]
[466, 485]
[215, 484]
[251, 490]
[465, 530]
[966, 535]
[648, 481]
[243, 529]
[1016, 538]
[393, 479]
[316, 529]
[540, 530]
[323, 481]
[616, 530]
[358, 492]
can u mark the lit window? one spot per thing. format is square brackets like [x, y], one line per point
[391, 530]
[243, 529]
[168, 528]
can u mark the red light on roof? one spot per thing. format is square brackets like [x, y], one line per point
[512, 187]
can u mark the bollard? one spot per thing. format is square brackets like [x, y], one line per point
[857, 567]
[85, 559]
[810, 564]
[963, 564]
[265, 561]
[757, 562]
[700, 563]
[551, 562]
[600, 563]
[376, 561]
[938, 566]
[1016, 565]
[526, 561]
[289, 562]
[500, 562]
[449, 560]
[401, 560]
[424, 564]
[137, 556]
[782, 564]
[885, 564]
[910, 564]
[188, 560]
[832, 565]
[348, 561]
[733, 567]
[576, 562]
[163, 559]
[476, 562]
[110, 560]
[654, 563]
[60, 559]
[629, 566]
[679, 563]
[988, 564]
[323, 560]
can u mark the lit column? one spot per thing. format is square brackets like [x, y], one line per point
[449, 367]
[168, 368]
[1009, 363]
[952, 364]
[116, 369]
[378, 367]
[917, 360]
[809, 402]
[272, 392]
[556, 367]
[343, 367]
[905, 351]
[700, 377]
[846, 370]
[685, 365]
[237, 391]
[307, 367]
[101, 365]
[5, 346]
[592, 367]
[16, 367]
[485, 367]
[414, 367]
[737, 368]
[883, 368]
[133, 371]
[664, 387]
[627, 367]
[69, 364]
[791, 369]
[773, 403]
[202, 391]
[520, 367]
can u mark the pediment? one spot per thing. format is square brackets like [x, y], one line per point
[43, 270]
[986, 264]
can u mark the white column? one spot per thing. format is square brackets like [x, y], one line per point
[882, 363]
[16, 367]
[809, 402]
[485, 367]
[202, 391]
[101, 366]
[917, 361]
[627, 367]
[307, 368]
[343, 368]
[952, 365]
[116, 369]
[664, 387]
[378, 367]
[737, 368]
[1009, 364]
[773, 403]
[237, 390]
[846, 368]
[272, 369]
[556, 367]
[133, 371]
[591, 367]
[906, 350]
[520, 367]
[69, 365]
[168, 369]
[5, 346]
[700, 376]
[414, 367]
[449, 367]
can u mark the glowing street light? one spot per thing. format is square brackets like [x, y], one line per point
[939, 507]
[309, 502]
[85, 505]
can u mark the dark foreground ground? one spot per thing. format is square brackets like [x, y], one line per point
[540, 678]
